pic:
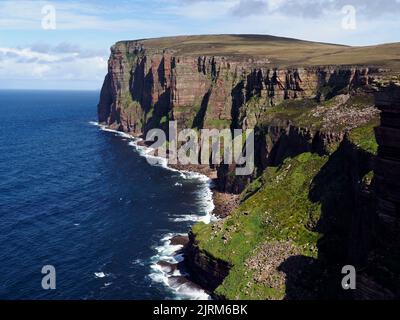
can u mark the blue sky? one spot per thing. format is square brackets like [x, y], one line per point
[74, 54]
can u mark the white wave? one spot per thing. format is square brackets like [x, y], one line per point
[148, 153]
[105, 128]
[194, 175]
[205, 191]
[99, 274]
[138, 261]
[165, 252]
[159, 277]
[169, 253]
[191, 217]
[208, 204]
[188, 292]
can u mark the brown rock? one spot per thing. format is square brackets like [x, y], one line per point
[180, 240]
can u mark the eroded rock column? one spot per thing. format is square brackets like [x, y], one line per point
[387, 171]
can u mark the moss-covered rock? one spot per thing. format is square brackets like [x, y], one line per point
[278, 211]
[364, 136]
[290, 218]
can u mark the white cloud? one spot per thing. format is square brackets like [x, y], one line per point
[285, 9]
[293, 8]
[316, 20]
[26, 64]
[27, 54]
[39, 71]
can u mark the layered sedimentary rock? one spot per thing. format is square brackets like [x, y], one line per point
[146, 87]
[204, 269]
[345, 221]
[387, 172]
[381, 278]
[273, 144]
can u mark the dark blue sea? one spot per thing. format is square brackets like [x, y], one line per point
[85, 201]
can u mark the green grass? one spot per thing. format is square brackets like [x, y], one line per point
[301, 112]
[218, 124]
[280, 51]
[127, 101]
[186, 115]
[367, 179]
[284, 206]
[360, 101]
[163, 120]
[277, 208]
[364, 137]
[296, 111]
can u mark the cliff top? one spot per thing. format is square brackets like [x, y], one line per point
[279, 50]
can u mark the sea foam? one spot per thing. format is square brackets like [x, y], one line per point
[166, 251]
[170, 253]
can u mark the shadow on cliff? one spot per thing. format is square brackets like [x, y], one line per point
[346, 225]
[237, 102]
[157, 116]
[198, 121]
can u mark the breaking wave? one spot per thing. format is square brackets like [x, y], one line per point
[166, 252]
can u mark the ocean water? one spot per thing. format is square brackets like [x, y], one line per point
[86, 201]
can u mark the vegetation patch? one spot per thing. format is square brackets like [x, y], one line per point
[364, 136]
[339, 114]
[275, 209]
[218, 124]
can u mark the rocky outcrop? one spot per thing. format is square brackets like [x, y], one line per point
[205, 270]
[273, 144]
[346, 224]
[146, 87]
[381, 278]
[387, 172]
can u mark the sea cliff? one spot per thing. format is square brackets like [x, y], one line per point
[310, 206]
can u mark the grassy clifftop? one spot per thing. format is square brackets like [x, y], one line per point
[281, 51]
[315, 128]
[276, 213]
[275, 239]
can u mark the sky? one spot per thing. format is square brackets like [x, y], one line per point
[64, 44]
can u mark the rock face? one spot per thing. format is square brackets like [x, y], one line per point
[146, 87]
[381, 280]
[347, 225]
[273, 144]
[204, 269]
[387, 173]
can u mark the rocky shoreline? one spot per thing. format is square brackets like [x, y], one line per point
[177, 273]
[186, 273]
[224, 202]
[314, 151]
[192, 276]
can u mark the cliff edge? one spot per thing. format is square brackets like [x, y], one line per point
[310, 206]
